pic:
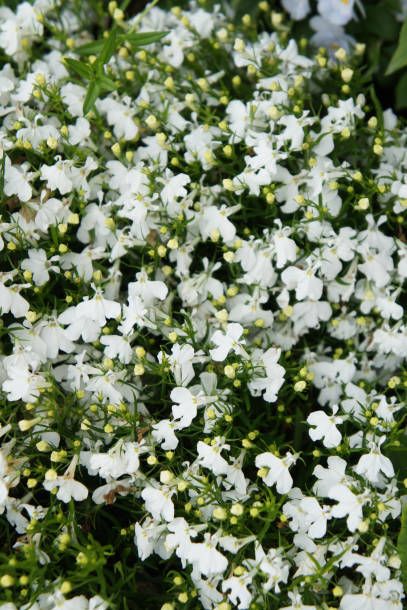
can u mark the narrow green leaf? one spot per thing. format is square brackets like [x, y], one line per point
[399, 59]
[106, 83]
[90, 48]
[92, 95]
[402, 547]
[401, 92]
[78, 67]
[139, 39]
[108, 48]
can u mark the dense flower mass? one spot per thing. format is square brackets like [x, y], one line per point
[202, 339]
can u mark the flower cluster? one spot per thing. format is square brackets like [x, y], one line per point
[202, 341]
[328, 23]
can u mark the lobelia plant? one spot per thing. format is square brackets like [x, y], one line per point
[203, 344]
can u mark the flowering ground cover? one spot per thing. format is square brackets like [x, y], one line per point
[202, 340]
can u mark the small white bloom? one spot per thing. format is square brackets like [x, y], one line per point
[325, 427]
[277, 470]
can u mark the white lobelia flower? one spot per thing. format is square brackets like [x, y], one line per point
[304, 282]
[275, 471]
[164, 433]
[122, 458]
[173, 190]
[120, 117]
[331, 476]
[228, 341]
[271, 381]
[216, 220]
[369, 599]
[349, 505]
[316, 517]
[338, 12]
[325, 427]
[58, 176]
[209, 456]
[117, 347]
[372, 464]
[146, 536]
[180, 536]
[204, 557]
[11, 300]
[16, 181]
[180, 361]
[39, 265]
[158, 502]
[186, 407]
[135, 313]
[237, 590]
[78, 132]
[97, 308]
[285, 248]
[67, 487]
[23, 384]
[148, 290]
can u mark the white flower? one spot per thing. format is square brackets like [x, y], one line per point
[273, 378]
[180, 361]
[146, 537]
[79, 132]
[187, 406]
[297, 603]
[228, 341]
[97, 308]
[11, 300]
[120, 117]
[67, 487]
[329, 477]
[349, 505]
[276, 470]
[373, 463]
[122, 458]
[16, 181]
[205, 558]
[316, 517]
[338, 12]
[164, 433]
[58, 176]
[298, 9]
[39, 265]
[117, 347]
[173, 190]
[304, 282]
[216, 219]
[237, 590]
[158, 502]
[147, 290]
[325, 427]
[209, 456]
[22, 384]
[73, 97]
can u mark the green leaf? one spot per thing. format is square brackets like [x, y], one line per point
[140, 39]
[106, 83]
[402, 547]
[90, 48]
[380, 22]
[78, 67]
[399, 59]
[92, 95]
[108, 49]
[401, 92]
